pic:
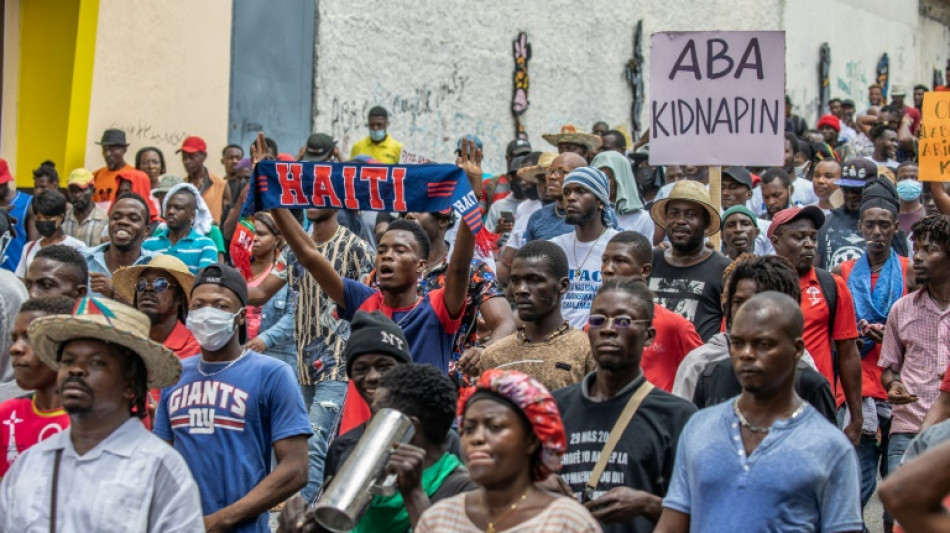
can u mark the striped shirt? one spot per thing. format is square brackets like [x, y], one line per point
[91, 230]
[917, 346]
[562, 515]
[320, 334]
[195, 250]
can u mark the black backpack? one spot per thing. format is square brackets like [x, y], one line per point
[829, 290]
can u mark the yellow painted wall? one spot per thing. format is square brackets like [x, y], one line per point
[56, 59]
[162, 72]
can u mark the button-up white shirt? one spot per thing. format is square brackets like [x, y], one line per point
[131, 481]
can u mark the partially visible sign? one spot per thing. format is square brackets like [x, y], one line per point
[412, 158]
[933, 152]
[717, 98]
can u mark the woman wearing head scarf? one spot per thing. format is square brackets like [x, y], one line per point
[512, 438]
[138, 182]
[623, 192]
[204, 221]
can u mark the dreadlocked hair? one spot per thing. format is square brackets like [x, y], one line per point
[935, 228]
[769, 273]
[135, 372]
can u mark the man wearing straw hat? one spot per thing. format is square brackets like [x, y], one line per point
[571, 139]
[687, 277]
[106, 471]
[233, 410]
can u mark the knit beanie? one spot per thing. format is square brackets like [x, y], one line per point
[880, 192]
[374, 332]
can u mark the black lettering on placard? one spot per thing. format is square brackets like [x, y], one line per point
[718, 61]
[716, 116]
[657, 126]
[942, 109]
[693, 66]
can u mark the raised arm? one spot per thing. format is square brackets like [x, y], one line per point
[457, 273]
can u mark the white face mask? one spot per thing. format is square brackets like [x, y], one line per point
[800, 171]
[212, 327]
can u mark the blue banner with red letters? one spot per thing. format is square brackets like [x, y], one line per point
[366, 187]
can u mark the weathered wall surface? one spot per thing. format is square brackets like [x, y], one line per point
[162, 73]
[445, 68]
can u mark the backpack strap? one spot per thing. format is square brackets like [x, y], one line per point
[829, 290]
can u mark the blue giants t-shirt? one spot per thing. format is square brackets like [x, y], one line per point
[225, 424]
[427, 326]
[802, 477]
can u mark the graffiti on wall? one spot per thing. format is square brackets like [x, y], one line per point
[634, 75]
[824, 78]
[854, 83]
[521, 49]
[141, 133]
[883, 74]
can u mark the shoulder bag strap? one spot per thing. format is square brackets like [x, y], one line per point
[52, 514]
[615, 433]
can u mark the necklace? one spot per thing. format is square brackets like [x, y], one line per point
[216, 372]
[942, 304]
[511, 508]
[556, 213]
[580, 267]
[560, 331]
[409, 312]
[757, 429]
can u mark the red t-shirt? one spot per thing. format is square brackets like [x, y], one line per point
[22, 425]
[945, 383]
[871, 373]
[675, 337]
[183, 343]
[817, 340]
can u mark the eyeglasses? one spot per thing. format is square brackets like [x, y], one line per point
[158, 285]
[620, 322]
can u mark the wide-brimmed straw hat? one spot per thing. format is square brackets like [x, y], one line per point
[108, 321]
[530, 174]
[124, 279]
[570, 134]
[689, 191]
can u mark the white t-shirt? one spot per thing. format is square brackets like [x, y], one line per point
[508, 203]
[890, 163]
[34, 246]
[522, 214]
[583, 261]
[639, 221]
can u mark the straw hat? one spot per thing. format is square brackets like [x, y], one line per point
[570, 134]
[690, 191]
[530, 174]
[108, 321]
[124, 279]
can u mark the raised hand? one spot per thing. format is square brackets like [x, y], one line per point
[258, 149]
[470, 160]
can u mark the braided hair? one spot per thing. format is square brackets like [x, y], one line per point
[769, 273]
[135, 372]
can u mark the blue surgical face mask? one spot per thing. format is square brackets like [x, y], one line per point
[909, 190]
[377, 135]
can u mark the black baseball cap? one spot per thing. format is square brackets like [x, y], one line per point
[740, 175]
[518, 147]
[229, 278]
[319, 147]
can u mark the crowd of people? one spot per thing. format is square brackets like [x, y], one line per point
[631, 356]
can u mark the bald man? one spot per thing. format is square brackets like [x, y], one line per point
[548, 222]
[805, 479]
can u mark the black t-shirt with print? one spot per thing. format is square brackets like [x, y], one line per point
[643, 458]
[692, 292]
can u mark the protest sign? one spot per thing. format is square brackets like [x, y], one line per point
[934, 148]
[717, 98]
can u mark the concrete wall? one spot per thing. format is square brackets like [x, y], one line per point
[443, 69]
[162, 73]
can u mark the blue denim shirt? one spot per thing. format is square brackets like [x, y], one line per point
[277, 327]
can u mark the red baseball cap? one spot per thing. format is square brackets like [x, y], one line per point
[5, 176]
[792, 214]
[193, 144]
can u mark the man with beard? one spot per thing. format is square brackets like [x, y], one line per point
[830, 324]
[687, 276]
[114, 147]
[548, 222]
[85, 220]
[127, 222]
[106, 471]
[179, 237]
[627, 498]
[737, 188]
[545, 347]
[586, 192]
[885, 146]
[214, 190]
[804, 478]
[320, 334]
[777, 191]
[160, 288]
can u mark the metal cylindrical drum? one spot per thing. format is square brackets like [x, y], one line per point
[343, 503]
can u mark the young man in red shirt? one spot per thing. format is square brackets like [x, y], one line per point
[26, 420]
[794, 233]
[629, 254]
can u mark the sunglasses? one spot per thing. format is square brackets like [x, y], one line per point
[620, 322]
[158, 285]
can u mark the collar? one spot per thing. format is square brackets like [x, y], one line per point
[98, 254]
[922, 298]
[811, 278]
[121, 442]
[178, 338]
[632, 386]
[97, 214]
